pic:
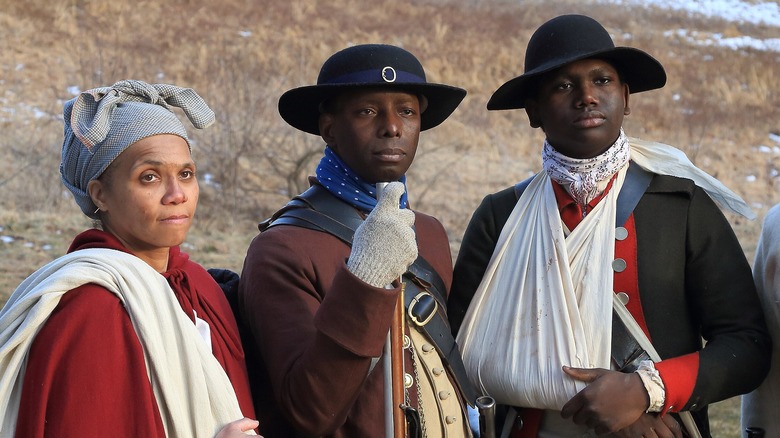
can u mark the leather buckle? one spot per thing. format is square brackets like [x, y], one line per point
[422, 308]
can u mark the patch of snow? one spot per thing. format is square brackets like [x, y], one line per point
[715, 39]
[761, 13]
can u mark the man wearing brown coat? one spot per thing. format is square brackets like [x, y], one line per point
[318, 308]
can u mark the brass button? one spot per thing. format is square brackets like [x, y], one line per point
[449, 419]
[623, 297]
[444, 395]
[619, 265]
[621, 233]
[407, 341]
[408, 380]
[427, 348]
[438, 371]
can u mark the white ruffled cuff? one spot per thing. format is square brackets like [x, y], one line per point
[653, 384]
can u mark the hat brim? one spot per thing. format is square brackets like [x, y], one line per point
[300, 107]
[639, 70]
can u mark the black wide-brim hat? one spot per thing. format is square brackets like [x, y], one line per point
[570, 38]
[368, 66]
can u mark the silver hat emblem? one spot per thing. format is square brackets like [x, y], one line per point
[388, 74]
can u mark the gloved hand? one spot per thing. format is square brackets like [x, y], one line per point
[384, 245]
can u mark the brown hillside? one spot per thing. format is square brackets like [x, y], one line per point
[719, 105]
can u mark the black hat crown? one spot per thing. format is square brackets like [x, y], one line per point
[371, 63]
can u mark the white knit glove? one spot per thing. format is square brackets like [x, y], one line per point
[384, 245]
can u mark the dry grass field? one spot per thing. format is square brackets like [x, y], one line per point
[720, 105]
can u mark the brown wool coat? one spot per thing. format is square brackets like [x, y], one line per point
[315, 329]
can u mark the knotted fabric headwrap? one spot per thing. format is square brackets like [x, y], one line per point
[102, 122]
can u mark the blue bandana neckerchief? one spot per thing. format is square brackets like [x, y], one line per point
[343, 183]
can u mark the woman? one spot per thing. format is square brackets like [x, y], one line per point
[125, 335]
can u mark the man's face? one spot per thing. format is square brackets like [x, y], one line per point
[375, 132]
[580, 107]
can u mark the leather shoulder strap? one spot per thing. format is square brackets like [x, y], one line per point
[423, 270]
[636, 182]
[329, 213]
[314, 220]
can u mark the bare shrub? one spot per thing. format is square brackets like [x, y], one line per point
[718, 104]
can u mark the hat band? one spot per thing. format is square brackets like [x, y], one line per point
[387, 74]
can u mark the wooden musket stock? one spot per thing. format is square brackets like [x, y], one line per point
[397, 356]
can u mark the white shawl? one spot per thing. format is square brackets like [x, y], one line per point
[545, 301]
[193, 393]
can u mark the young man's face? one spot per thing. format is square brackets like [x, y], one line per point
[375, 132]
[580, 107]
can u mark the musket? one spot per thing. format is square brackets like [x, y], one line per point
[393, 364]
[487, 416]
[397, 354]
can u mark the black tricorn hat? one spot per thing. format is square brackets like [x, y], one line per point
[363, 67]
[570, 38]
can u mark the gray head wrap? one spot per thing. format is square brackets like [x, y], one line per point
[102, 122]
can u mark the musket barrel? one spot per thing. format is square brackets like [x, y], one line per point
[487, 416]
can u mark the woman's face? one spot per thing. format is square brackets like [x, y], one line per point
[148, 195]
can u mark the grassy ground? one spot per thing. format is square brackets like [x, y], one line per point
[724, 419]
